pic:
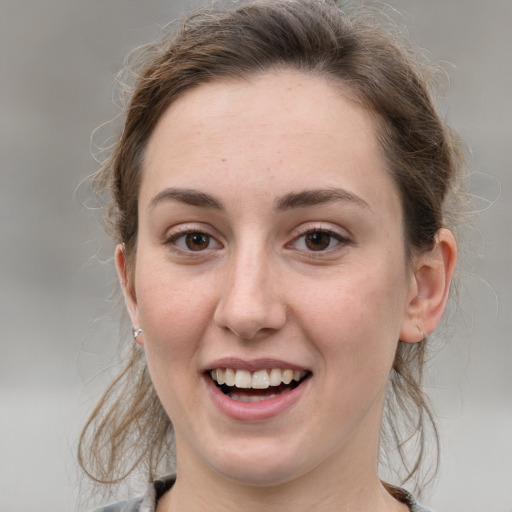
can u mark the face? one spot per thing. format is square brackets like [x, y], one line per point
[270, 248]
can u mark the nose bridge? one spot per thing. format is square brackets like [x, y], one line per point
[250, 304]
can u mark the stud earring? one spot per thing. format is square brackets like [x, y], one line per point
[135, 332]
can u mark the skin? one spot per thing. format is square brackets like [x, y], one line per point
[258, 290]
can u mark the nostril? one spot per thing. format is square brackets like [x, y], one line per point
[249, 329]
[250, 312]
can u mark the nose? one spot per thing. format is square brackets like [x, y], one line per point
[251, 304]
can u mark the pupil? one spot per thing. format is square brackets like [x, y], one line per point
[197, 241]
[317, 241]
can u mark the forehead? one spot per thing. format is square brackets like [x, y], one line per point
[285, 128]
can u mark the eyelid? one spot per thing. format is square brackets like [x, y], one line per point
[176, 232]
[326, 228]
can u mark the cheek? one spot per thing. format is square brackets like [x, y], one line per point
[356, 322]
[174, 313]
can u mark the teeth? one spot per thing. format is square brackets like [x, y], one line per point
[241, 398]
[261, 379]
[275, 377]
[287, 376]
[229, 376]
[220, 376]
[243, 379]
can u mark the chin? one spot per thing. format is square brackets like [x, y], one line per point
[259, 475]
[261, 467]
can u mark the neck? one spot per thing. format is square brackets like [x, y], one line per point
[332, 489]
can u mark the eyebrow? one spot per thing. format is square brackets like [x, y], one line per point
[289, 201]
[317, 197]
[187, 196]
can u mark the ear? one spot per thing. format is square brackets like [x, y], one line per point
[128, 288]
[430, 285]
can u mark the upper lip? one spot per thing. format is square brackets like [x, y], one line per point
[253, 365]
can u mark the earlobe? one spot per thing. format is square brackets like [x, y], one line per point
[430, 286]
[127, 286]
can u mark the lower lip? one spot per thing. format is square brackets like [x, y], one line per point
[255, 411]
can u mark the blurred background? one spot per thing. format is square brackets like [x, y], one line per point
[59, 325]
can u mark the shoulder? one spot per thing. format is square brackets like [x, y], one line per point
[413, 505]
[416, 507]
[122, 506]
[407, 498]
[145, 503]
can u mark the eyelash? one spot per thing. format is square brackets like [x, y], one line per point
[172, 242]
[321, 231]
[174, 238]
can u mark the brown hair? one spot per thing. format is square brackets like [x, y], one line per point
[129, 427]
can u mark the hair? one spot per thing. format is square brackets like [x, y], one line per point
[129, 428]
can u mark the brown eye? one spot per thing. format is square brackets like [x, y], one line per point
[317, 241]
[197, 241]
[193, 241]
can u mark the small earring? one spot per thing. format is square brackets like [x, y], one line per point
[422, 334]
[135, 332]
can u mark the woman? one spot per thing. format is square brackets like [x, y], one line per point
[278, 199]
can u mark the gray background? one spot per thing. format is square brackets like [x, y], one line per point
[57, 61]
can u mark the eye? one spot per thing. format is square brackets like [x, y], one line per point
[194, 241]
[318, 240]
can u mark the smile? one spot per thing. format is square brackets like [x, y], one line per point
[247, 386]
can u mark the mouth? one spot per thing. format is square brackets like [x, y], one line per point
[247, 386]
